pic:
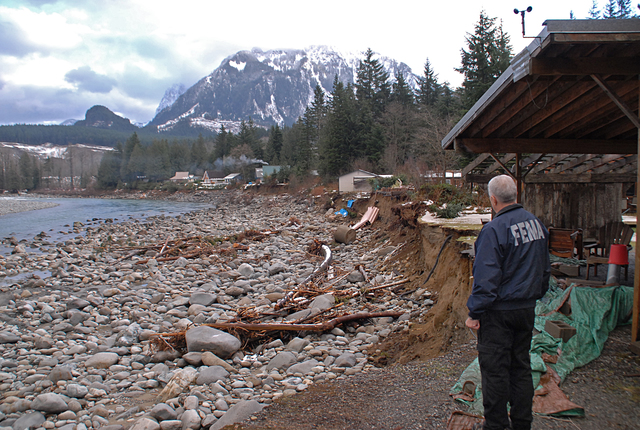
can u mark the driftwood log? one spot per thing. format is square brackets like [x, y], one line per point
[323, 326]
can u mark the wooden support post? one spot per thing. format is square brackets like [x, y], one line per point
[636, 276]
[518, 178]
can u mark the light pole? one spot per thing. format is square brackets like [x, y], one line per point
[522, 12]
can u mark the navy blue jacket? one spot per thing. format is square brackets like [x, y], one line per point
[511, 268]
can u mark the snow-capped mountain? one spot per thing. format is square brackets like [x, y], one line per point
[272, 87]
[170, 96]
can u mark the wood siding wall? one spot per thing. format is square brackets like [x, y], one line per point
[585, 206]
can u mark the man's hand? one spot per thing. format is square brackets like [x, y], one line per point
[472, 324]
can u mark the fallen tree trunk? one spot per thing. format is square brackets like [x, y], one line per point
[327, 325]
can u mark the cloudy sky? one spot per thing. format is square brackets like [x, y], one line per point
[59, 58]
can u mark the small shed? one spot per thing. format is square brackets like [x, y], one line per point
[356, 181]
[182, 177]
[232, 178]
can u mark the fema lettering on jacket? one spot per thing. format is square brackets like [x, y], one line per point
[527, 231]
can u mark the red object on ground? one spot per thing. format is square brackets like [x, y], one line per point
[619, 254]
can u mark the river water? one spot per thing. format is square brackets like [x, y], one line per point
[57, 222]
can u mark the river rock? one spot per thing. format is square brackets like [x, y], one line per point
[60, 373]
[8, 337]
[323, 302]
[347, 359]
[50, 403]
[210, 359]
[240, 411]
[209, 375]
[204, 299]
[297, 344]
[304, 367]
[32, 420]
[205, 338]
[162, 412]
[190, 420]
[246, 270]
[282, 361]
[145, 423]
[102, 360]
[129, 336]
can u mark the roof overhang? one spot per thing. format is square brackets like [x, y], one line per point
[574, 89]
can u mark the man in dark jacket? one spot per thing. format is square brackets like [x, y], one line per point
[511, 271]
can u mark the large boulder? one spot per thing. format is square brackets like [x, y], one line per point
[222, 344]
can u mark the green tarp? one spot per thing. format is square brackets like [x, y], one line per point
[594, 313]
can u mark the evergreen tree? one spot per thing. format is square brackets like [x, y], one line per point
[222, 145]
[402, 93]
[109, 169]
[487, 55]
[25, 169]
[611, 10]
[372, 84]
[129, 146]
[337, 144]
[199, 155]
[625, 10]
[429, 88]
[594, 12]
[137, 165]
[274, 146]
[158, 165]
[179, 155]
[247, 136]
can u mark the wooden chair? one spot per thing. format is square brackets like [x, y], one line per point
[566, 243]
[615, 233]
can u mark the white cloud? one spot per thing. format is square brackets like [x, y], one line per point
[145, 45]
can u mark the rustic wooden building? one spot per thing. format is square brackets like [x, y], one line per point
[563, 121]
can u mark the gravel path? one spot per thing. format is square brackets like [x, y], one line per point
[416, 396]
[10, 205]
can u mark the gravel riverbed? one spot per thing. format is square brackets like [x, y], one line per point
[13, 205]
[76, 340]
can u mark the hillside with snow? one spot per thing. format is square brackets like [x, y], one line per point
[270, 87]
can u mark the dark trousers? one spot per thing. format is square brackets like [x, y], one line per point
[504, 341]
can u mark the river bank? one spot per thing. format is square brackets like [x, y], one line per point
[13, 205]
[77, 324]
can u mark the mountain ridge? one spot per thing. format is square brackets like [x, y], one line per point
[270, 87]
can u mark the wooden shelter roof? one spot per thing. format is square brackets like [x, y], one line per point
[573, 90]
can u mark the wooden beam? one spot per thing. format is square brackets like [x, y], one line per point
[624, 161]
[582, 178]
[531, 95]
[617, 100]
[548, 163]
[570, 95]
[475, 163]
[635, 318]
[507, 171]
[533, 160]
[571, 164]
[592, 37]
[590, 112]
[550, 146]
[596, 162]
[585, 66]
[502, 163]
